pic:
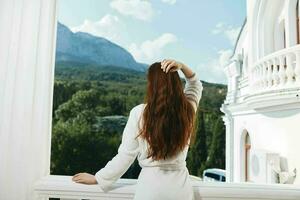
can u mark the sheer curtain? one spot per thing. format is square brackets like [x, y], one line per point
[27, 43]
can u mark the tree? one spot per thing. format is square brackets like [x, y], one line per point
[117, 105]
[217, 149]
[77, 148]
[80, 101]
[198, 151]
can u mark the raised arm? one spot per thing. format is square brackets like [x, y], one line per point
[193, 87]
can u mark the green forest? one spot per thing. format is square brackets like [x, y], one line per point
[91, 105]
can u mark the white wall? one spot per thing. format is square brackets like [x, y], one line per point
[276, 131]
[263, 36]
[262, 16]
[27, 36]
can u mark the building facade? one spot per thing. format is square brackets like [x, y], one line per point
[262, 107]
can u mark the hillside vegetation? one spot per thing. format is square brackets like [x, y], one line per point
[91, 104]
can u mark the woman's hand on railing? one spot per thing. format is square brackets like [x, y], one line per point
[84, 178]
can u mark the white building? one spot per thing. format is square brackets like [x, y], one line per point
[262, 108]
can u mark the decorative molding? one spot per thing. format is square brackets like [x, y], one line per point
[229, 151]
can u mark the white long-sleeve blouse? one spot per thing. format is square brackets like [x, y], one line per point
[132, 147]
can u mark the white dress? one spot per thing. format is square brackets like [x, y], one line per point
[158, 180]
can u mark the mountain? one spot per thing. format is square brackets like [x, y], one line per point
[89, 49]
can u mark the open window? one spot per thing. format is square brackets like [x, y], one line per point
[100, 75]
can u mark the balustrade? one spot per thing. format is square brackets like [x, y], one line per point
[63, 188]
[277, 70]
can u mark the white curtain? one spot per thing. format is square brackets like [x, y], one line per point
[27, 45]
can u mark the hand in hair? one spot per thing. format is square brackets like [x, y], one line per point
[169, 65]
[173, 65]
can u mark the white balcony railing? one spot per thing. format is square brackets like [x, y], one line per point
[274, 81]
[280, 69]
[62, 187]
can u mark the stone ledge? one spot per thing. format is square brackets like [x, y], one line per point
[53, 186]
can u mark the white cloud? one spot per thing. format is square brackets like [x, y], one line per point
[212, 71]
[139, 9]
[229, 32]
[108, 27]
[151, 50]
[218, 28]
[171, 2]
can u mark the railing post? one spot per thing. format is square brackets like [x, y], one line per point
[282, 75]
[269, 73]
[297, 68]
[265, 78]
[275, 73]
[260, 72]
[289, 69]
[257, 75]
[254, 78]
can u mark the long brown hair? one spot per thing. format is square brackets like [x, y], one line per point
[169, 118]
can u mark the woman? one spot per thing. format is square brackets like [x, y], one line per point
[161, 143]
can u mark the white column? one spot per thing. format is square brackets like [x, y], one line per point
[27, 38]
[229, 157]
[297, 68]
[290, 23]
[252, 13]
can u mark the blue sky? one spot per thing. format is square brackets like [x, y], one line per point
[197, 32]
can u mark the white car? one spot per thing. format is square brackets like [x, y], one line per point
[214, 174]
